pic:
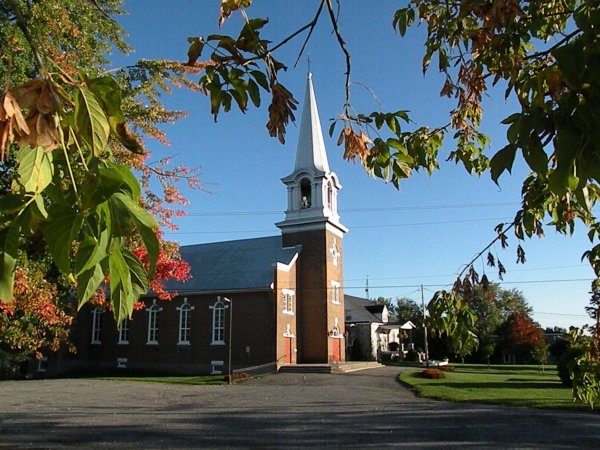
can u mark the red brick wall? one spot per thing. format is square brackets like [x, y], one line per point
[285, 280]
[316, 312]
[253, 330]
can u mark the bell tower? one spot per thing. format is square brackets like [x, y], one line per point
[312, 221]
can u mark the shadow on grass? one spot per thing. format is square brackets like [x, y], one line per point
[517, 384]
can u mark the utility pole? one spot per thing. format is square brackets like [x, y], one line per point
[425, 328]
[367, 288]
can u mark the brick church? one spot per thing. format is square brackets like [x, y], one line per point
[274, 300]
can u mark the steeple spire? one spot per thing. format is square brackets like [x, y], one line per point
[310, 154]
[312, 186]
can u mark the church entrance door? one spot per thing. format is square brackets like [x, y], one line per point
[288, 350]
[336, 350]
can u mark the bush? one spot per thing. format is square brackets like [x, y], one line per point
[562, 366]
[412, 355]
[435, 374]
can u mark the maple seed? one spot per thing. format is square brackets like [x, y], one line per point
[12, 123]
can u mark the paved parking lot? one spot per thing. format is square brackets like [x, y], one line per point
[356, 410]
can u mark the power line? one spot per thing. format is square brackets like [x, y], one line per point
[357, 210]
[355, 227]
[414, 286]
[531, 269]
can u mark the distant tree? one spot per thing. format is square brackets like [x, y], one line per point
[463, 347]
[407, 309]
[510, 301]
[523, 337]
[492, 306]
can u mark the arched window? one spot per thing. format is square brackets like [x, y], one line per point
[123, 332]
[218, 322]
[305, 193]
[185, 322]
[153, 323]
[96, 325]
[330, 195]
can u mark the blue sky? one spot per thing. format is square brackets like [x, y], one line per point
[420, 234]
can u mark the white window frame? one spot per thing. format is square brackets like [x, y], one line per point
[42, 364]
[336, 288]
[288, 298]
[97, 325]
[185, 322]
[123, 330]
[218, 322]
[217, 367]
[153, 323]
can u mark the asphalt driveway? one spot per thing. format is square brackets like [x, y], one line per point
[356, 410]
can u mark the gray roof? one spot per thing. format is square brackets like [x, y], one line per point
[233, 265]
[357, 308]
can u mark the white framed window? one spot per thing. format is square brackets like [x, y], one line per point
[218, 322]
[121, 363]
[336, 288]
[287, 301]
[123, 332]
[185, 322]
[42, 364]
[96, 324]
[153, 323]
[217, 367]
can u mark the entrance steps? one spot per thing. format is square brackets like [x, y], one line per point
[342, 367]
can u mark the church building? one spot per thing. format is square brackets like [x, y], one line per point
[267, 301]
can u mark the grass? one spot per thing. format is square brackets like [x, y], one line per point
[506, 385]
[197, 380]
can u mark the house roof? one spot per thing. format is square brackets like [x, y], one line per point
[358, 309]
[375, 309]
[246, 264]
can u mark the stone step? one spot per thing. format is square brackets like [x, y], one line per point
[353, 366]
[306, 368]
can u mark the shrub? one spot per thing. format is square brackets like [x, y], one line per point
[412, 355]
[435, 374]
[562, 366]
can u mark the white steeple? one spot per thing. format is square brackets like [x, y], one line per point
[310, 154]
[312, 187]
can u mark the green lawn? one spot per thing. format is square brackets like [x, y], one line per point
[498, 384]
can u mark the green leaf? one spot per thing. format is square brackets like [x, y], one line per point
[569, 58]
[59, 232]
[9, 247]
[35, 169]
[332, 127]
[90, 120]
[121, 292]
[254, 92]
[501, 161]
[91, 251]
[127, 211]
[108, 93]
[536, 158]
[9, 204]
[240, 97]
[195, 49]
[139, 278]
[261, 79]
[87, 283]
[116, 177]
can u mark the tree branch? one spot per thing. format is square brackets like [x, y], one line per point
[342, 43]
